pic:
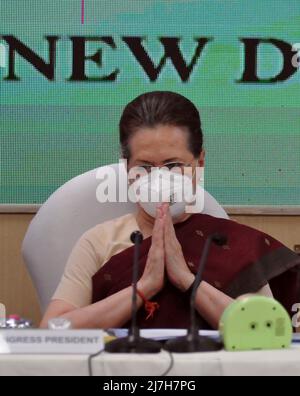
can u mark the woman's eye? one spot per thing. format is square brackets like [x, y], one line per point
[174, 165]
[146, 168]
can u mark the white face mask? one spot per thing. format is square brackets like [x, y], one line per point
[162, 185]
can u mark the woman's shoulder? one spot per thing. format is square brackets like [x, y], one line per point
[235, 229]
[111, 229]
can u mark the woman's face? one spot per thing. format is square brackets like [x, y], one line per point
[162, 145]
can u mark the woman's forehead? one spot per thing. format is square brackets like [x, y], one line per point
[162, 140]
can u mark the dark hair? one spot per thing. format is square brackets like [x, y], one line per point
[161, 108]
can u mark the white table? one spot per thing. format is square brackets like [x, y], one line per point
[274, 363]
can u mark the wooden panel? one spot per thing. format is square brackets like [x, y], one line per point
[16, 289]
[284, 228]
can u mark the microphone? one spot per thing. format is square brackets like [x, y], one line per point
[134, 343]
[193, 342]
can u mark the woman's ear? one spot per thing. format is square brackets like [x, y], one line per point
[201, 160]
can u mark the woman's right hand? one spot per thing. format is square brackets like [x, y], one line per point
[152, 280]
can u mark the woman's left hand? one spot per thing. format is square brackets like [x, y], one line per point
[178, 272]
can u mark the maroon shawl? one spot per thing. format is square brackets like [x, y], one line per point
[250, 260]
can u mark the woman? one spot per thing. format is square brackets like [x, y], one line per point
[163, 129]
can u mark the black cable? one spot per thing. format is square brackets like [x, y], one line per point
[90, 358]
[166, 372]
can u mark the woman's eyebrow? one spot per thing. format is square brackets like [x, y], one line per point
[169, 160]
[172, 160]
[143, 162]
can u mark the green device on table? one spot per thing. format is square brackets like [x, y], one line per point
[255, 323]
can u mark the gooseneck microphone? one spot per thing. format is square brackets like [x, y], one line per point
[134, 343]
[193, 342]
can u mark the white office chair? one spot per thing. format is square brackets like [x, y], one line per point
[64, 217]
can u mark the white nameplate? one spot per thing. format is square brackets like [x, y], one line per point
[51, 341]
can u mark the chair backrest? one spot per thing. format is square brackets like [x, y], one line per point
[64, 217]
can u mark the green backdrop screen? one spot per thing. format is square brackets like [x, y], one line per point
[54, 129]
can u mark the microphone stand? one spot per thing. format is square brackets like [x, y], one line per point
[193, 342]
[134, 343]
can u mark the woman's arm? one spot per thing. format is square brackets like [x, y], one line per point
[211, 303]
[113, 311]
